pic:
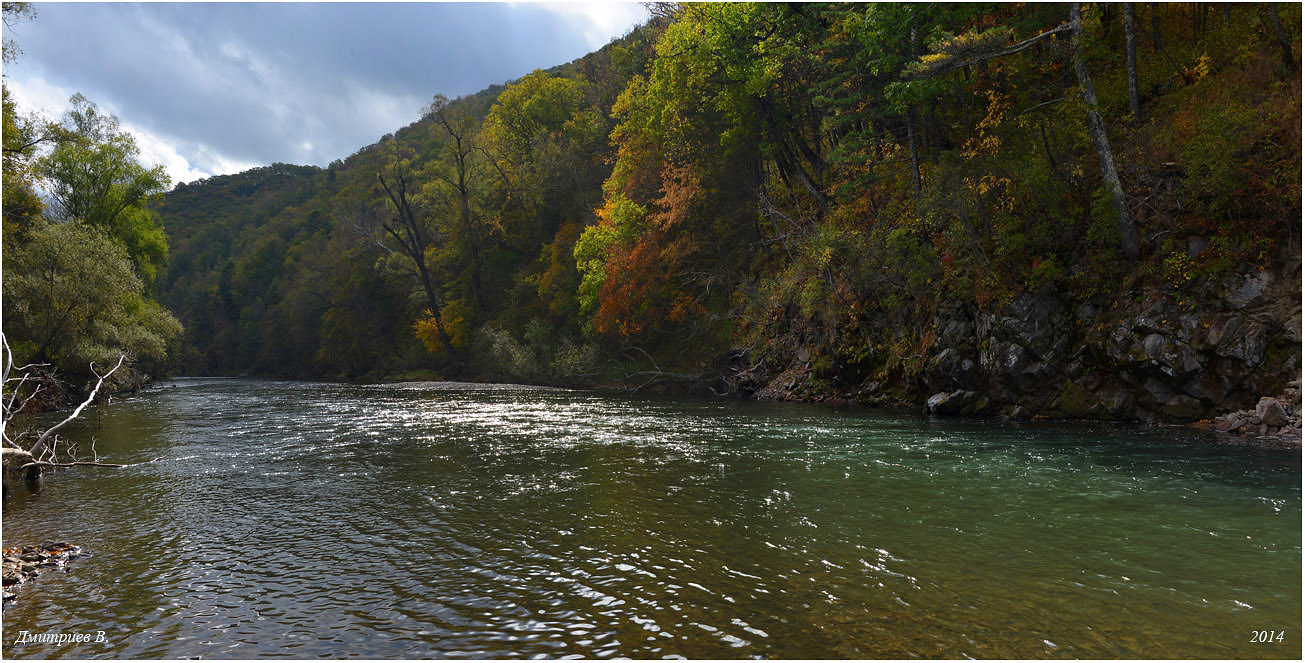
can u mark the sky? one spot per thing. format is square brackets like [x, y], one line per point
[218, 88]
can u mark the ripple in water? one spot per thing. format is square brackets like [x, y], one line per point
[446, 520]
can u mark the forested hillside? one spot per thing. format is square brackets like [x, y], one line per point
[998, 208]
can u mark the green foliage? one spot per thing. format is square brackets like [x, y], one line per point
[72, 298]
[537, 358]
[1214, 160]
[771, 176]
[23, 207]
[95, 177]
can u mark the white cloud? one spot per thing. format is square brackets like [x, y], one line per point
[600, 21]
[214, 88]
[38, 94]
[154, 150]
[51, 101]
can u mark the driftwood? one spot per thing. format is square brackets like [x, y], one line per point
[44, 452]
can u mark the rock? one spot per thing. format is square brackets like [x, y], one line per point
[1076, 402]
[1158, 390]
[1250, 288]
[955, 403]
[1232, 424]
[1270, 412]
[1021, 413]
[23, 564]
[1182, 407]
[1250, 345]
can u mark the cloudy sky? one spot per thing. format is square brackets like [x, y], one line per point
[217, 88]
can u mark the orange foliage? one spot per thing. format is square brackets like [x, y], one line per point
[680, 187]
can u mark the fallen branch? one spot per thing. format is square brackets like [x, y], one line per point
[40, 441]
[45, 463]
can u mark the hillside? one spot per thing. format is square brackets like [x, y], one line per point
[880, 203]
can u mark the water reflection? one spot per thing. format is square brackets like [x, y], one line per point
[303, 520]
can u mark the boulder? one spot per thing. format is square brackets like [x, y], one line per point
[1271, 412]
[959, 402]
[1182, 407]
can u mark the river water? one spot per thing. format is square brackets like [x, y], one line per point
[443, 520]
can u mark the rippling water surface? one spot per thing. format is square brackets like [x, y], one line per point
[319, 520]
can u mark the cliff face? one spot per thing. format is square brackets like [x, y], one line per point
[1154, 356]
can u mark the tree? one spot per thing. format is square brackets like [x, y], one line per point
[72, 298]
[454, 177]
[95, 177]
[1130, 49]
[404, 226]
[22, 136]
[1270, 11]
[1097, 128]
[13, 13]
[975, 48]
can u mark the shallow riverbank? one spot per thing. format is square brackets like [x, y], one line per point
[23, 564]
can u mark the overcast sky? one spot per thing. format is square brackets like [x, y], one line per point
[218, 88]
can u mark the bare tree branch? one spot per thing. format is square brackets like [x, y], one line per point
[42, 463]
[40, 441]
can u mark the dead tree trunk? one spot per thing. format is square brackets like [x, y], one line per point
[26, 464]
[1096, 127]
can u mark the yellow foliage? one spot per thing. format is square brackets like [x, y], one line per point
[455, 323]
[985, 142]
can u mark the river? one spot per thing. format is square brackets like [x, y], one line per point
[294, 519]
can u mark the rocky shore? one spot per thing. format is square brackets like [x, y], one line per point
[1161, 356]
[25, 563]
[1274, 422]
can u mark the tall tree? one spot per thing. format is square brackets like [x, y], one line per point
[22, 136]
[1270, 11]
[406, 227]
[13, 13]
[455, 171]
[72, 297]
[95, 177]
[1097, 128]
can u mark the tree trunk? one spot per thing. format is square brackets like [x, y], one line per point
[1130, 48]
[1097, 127]
[433, 304]
[412, 240]
[1284, 44]
[912, 140]
[1155, 26]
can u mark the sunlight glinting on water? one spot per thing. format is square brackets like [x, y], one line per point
[298, 519]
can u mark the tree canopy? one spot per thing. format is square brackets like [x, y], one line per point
[766, 177]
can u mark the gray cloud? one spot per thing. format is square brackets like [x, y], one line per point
[227, 84]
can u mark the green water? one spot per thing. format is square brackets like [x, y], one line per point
[440, 520]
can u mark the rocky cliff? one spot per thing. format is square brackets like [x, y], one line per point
[1155, 356]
